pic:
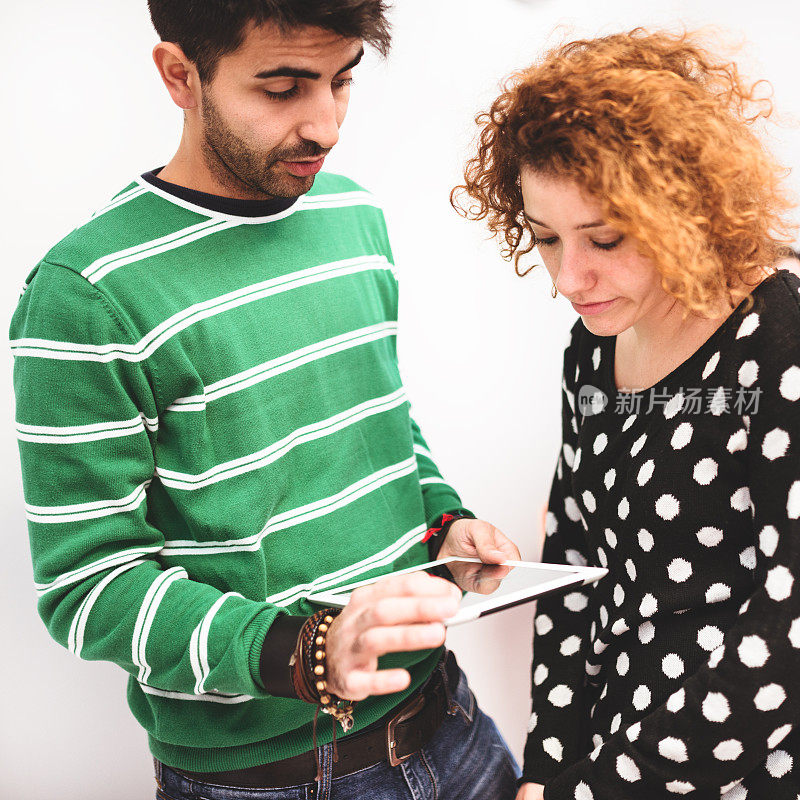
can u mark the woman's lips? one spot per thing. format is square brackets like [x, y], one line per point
[302, 169]
[589, 309]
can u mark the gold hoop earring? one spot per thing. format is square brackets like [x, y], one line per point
[554, 291]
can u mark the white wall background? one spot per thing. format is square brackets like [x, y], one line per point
[84, 111]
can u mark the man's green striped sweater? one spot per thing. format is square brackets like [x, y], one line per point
[212, 426]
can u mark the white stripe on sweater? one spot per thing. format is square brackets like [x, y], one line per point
[423, 451]
[102, 266]
[282, 364]
[354, 198]
[285, 598]
[296, 516]
[147, 613]
[73, 434]
[120, 200]
[271, 454]
[78, 627]
[215, 697]
[428, 481]
[198, 644]
[145, 347]
[83, 511]
[81, 573]
[344, 575]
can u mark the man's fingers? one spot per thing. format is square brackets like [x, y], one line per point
[410, 584]
[361, 683]
[409, 610]
[401, 639]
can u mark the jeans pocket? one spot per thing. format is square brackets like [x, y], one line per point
[462, 700]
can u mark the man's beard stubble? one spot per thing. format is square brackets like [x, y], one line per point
[242, 169]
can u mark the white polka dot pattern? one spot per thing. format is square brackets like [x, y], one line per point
[769, 697]
[776, 444]
[583, 792]
[667, 507]
[682, 436]
[553, 748]
[748, 373]
[673, 749]
[711, 365]
[710, 537]
[705, 471]
[753, 651]
[779, 763]
[672, 665]
[716, 707]
[680, 787]
[681, 660]
[751, 322]
[790, 384]
[627, 769]
[729, 750]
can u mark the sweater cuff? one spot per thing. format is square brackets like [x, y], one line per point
[437, 532]
[276, 651]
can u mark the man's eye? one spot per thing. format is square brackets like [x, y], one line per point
[284, 95]
[341, 83]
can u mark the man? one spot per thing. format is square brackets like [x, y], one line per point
[212, 428]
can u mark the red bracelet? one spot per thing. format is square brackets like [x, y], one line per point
[431, 532]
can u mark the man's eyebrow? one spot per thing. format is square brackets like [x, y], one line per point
[288, 72]
[295, 72]
[596, 224]
[353, 63]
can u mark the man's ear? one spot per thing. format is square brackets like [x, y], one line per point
[179, 75]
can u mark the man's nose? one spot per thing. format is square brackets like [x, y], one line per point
[321, 124]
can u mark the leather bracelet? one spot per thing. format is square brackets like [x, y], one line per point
[304, 685]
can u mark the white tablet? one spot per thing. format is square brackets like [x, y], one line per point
[525, 582]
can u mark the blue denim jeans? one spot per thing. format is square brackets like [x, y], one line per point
[467, 759]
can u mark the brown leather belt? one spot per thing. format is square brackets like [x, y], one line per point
[393, 738]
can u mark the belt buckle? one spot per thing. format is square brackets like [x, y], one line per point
[403, 716]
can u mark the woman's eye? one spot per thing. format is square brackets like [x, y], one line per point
[607, 245]
[546, 242]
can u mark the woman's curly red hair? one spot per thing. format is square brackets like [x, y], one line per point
[660, 132]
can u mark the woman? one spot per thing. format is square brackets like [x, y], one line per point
[631, 164]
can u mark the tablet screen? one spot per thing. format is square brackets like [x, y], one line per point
[491, 588]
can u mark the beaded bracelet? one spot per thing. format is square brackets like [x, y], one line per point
[309, 677]
[310, 669]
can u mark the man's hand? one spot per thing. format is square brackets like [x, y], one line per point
[473, 538]
[400, 613]
[530, 791]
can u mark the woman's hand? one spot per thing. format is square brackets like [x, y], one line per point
[530, 791]
[473, 538]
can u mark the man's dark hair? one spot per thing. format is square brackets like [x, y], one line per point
[208, 29]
